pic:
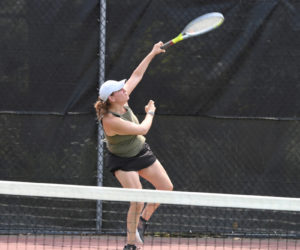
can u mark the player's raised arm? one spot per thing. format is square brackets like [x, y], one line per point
[138, 73]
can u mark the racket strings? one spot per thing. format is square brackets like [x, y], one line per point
[203, 25]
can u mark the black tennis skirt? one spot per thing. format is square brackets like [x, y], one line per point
[145, 158]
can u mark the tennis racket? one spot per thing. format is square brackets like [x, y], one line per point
[198, 26]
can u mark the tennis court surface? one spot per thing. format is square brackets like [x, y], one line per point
[55, 216]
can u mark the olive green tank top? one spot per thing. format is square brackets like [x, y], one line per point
[125, 145]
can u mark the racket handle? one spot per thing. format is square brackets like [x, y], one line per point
[167, 45]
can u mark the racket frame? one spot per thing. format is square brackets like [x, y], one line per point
[185, 35]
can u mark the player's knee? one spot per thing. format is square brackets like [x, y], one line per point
[167, 186]
[170, 186]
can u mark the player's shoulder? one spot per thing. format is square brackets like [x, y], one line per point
[109, 117]
[109, 123]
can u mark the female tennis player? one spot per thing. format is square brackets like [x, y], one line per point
[129, 156]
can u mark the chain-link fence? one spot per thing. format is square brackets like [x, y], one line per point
[48, 77]
[227, 108]
[227, 118]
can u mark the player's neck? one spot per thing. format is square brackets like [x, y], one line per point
[117, 108]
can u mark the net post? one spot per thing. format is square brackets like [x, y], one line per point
[102, 36]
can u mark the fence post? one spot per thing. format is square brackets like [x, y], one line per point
[102, 36]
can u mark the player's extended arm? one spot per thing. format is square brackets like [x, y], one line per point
[138, 73]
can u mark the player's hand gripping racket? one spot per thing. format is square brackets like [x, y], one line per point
[198, 26]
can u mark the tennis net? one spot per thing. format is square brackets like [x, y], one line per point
[55, 216]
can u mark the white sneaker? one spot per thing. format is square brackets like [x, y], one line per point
[138, 237]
